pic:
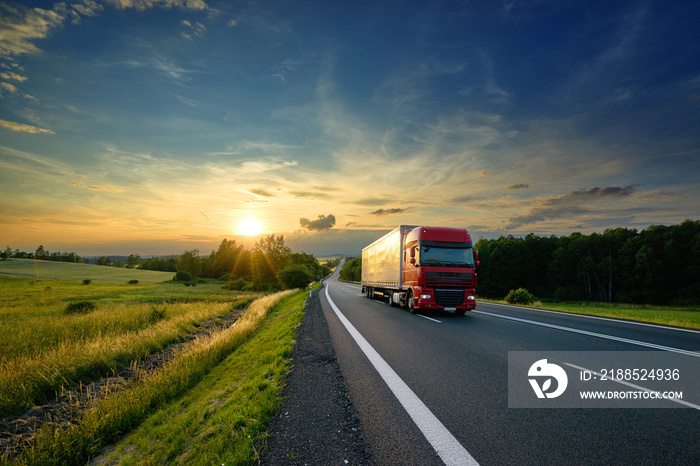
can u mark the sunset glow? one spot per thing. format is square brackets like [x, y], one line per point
[155, 127]
[249, 227]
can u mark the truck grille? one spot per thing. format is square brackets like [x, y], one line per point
[449, 298]
[449, 279]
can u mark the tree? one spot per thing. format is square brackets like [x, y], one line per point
[103, 260]
[41, 253]
[133, 261]
[190, 262]
[269, 256]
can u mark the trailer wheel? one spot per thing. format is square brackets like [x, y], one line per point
[409, 301]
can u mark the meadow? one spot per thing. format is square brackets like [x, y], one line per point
[61, 335]
[30, 268]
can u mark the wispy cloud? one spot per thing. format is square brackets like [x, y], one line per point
[197, 29]
[570, 205]
[383, 212]
[22, 128]
[107, 189]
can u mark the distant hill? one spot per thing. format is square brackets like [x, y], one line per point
[30, 268]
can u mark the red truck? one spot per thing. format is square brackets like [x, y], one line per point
[421, 267]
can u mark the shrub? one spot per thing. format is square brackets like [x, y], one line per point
[238, 284]
[520, 296]
[183, 276]
[132, 282]
[295, 276]
[81, 307]
[87, 281]
[157, 314]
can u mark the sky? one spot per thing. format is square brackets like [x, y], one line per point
[159, 126]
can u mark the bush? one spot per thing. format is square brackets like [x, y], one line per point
[133, 282]
[520, 296]
[238, 284]
[87, 281]
[81, 307]
[157, 314]
[295, 276]
[183, 276]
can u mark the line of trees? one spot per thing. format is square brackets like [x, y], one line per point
[270, 265]
[41, 254]
[659, 265]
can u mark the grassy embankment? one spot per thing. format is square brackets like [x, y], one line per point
[235, 400]
[44, 348]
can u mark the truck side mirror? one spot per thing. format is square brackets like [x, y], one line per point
[476, 258]
[413, 256]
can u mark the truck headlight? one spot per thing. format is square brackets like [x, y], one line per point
[472, 297]
[425, 296]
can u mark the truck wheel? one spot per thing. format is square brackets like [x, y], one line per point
[411, 308]
[391, 299]
[460, 312]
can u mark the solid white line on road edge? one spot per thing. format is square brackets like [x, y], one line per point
[609, 319]
[594, 334]
[445, 444]
[429, 318]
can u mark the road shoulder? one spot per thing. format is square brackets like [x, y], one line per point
[316, 423]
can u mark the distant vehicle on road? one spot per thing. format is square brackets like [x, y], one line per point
[421, 268]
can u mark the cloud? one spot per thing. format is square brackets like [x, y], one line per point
[382, 212]
[141, 5]
[322, 224]
[8, 87]
[571, 204]
[198, 29]
[22, 128]
[262, 192]
[109, 189]
[19, 26]
[518, 186]
[14, 76]
[373, 201]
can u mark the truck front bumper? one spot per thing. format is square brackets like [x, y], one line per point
[448, 299]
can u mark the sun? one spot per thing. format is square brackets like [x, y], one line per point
[249, 227]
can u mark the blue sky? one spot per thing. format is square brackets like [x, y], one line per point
[155, 126]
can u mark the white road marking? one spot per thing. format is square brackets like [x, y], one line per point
[445, 444]
[594, 334]
[429, 318]
[633, 322]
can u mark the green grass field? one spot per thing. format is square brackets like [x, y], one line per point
[45, 348]
[29, 268]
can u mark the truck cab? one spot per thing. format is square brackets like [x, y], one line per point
[438, 270]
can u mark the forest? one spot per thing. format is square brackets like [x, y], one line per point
[658, 265]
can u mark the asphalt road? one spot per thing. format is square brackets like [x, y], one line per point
[445, 398]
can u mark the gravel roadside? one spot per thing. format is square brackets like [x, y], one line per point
[316, 424]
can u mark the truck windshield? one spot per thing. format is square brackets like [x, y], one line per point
[447, 257]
